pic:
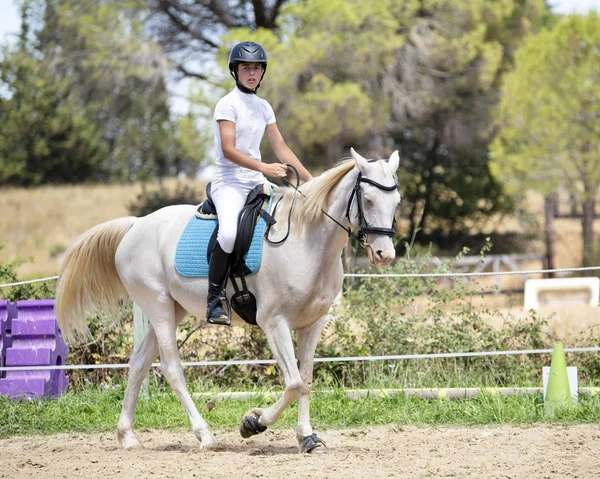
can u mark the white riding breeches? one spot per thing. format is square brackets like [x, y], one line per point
[229, 199]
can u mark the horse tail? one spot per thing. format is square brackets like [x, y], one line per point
[88, 281]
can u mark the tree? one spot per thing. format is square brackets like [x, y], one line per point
[323, 79]
[190, 30]
[442, 89]
[120, 77]
[549, 117]
[46, 134]
[87, 97]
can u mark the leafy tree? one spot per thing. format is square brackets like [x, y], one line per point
[45, 131]
[442, 88]
[86, 97]
[46, 134]
[550, 133]
[118, 74]
[190, 30]
[326, 83]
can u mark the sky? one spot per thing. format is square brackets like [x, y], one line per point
[9, 12]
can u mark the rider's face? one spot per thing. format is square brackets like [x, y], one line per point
[249, 74]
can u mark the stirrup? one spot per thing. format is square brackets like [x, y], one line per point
[221, 320]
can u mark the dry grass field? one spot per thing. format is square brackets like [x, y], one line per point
[38, 224]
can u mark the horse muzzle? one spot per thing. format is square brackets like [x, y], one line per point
[381, 252]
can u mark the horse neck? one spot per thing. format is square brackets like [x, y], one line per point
[336, 236]
[318, 245]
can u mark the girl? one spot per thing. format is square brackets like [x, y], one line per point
[241, 119]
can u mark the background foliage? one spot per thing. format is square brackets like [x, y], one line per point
[550, 134]
[88, 91]
[85, 98]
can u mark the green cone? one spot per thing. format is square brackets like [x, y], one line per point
[558, 393]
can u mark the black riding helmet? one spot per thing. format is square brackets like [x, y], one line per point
[246, 52]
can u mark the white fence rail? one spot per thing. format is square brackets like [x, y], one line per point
[142, 320]
[396, 357]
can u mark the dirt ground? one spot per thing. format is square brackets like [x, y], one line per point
[382, 452]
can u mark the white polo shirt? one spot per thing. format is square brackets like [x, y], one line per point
[251, 116]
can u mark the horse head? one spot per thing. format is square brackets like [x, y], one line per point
[372, 206]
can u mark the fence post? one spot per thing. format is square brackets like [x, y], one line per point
[140, 328]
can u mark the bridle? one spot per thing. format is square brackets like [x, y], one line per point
[363, 227]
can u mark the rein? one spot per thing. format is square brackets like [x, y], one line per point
[296, 190]
[364, 228]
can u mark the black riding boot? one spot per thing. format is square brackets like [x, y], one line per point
[217, 278]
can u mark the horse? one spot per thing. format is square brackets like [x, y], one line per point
[296, 284]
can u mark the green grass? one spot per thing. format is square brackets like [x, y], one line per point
[94, 410]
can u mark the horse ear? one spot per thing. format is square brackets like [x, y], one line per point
[394, 161]
[360, 161]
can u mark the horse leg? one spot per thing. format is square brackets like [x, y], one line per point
[139, 365]
[163, 319]
[280, 341]
[307, 339]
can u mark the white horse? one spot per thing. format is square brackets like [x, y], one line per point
[294, 287]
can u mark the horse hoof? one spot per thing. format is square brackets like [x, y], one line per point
[129, 440]
[313, 444]
[250, 426]
[213, 445]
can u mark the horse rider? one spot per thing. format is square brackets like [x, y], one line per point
[241, 118]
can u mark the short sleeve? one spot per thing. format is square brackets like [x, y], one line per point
[269, 114]
[225, 110]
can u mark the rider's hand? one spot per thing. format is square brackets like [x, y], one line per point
[276, 170]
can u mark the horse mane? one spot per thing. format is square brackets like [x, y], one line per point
[308, 208]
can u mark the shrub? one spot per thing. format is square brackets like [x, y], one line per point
[150, 200]
[8, 275]
[399, 316]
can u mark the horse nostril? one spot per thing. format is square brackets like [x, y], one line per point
[379, 254]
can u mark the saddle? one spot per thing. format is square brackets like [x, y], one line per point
[242, 301]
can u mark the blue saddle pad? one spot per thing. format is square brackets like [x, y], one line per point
[190, 255]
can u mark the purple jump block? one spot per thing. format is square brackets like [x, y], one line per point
[36, 341]
[8, 311]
